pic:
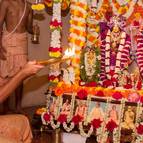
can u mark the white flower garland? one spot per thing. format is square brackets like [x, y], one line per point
[56, 34]
[53, 125]
[44, 122]
[70, 128]
[128, 13]
[102, 138]
[82, 132]
[119, 54]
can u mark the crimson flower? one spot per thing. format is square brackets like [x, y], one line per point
[141, 99]
[47, 117]
[140, 129]
[62, 118]
[107, 83]
[55, 23]
[111, 125]
[91, 84]
[111, 73]
[100, 93]
[117, 95]
[128, 86]
[96, 123]
[82, 94]
[76, 119]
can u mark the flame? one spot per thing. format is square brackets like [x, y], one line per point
[69, 52]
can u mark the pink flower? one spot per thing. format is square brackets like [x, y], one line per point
[47, 117]
[140, 129]
[111, 125]
[62, 118]
[117, 95]
[76, 119]
[82, 94]
[96, 123]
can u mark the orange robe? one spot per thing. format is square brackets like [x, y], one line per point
[16, 45]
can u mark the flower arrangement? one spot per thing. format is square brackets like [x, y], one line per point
[38, 6]
[64, 3]
[95, 61]
[98, 91]
[55, 49]
[77, 32]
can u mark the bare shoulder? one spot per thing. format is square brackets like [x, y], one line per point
[4, 3]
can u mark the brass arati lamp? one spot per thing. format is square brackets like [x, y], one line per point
[36, 34]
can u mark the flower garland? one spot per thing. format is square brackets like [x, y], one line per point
[139, 125]
[77, 31]
[104, 133]
[64, 5]
[55, 49]
[96, 91]
[140, 50]
[82, 132]
[93, 28]
[126, 9]
[119, 54]
[83, 74]
[122, 57]
[117, 131]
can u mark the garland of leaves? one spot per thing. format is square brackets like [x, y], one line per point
[83, 74]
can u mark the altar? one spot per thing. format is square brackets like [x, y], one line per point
[98, 91]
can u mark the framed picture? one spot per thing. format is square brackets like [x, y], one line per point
[81, 108]
[129, 118]
[66, 106]
[114, 112]
[53, 106]
[96, 110]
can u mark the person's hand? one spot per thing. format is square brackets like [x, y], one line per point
[31, 68]
[2, 53]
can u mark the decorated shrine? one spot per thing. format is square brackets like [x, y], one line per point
[99, 90]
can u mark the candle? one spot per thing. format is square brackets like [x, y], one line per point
[53, 61]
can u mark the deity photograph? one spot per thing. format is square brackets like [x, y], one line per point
[66, 106]
[129, 117]
[96, 111]
[81, 108]
[113, 112]
[53, 106]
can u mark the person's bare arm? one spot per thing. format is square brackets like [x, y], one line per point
[30, 20]
[29, 69]
[3, 9]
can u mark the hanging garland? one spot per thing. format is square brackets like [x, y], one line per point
[55, 49]
[126, 9]
[140, 50]
[77, 32]
[64, 4]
